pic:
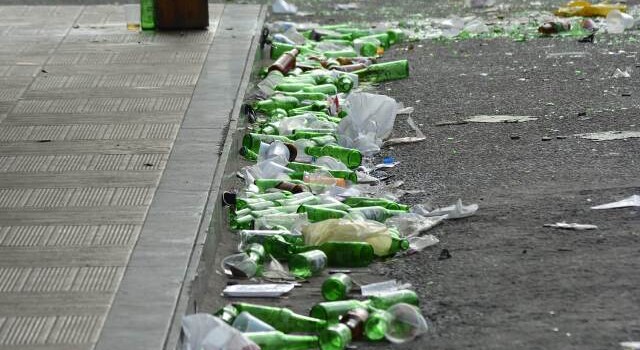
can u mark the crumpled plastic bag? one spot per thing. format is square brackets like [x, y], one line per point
[207, 332]
[412, 224]
[633, 201]
[281, 6]
[347, 230]
[455, 211]
[370, 120]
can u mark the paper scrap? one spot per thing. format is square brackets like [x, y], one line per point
[633, 201]
[610, 135]
[269, 290]
[574, 226]
[500, 119]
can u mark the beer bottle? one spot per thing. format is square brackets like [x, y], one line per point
[282, 319]
[280, 341]
[386, 71]
[336, 287]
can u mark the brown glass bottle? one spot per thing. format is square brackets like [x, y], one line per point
[286, 62]
[355, 320]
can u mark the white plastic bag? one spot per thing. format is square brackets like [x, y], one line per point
[281, 6]
[370, 120]
[345, 230]
[207, 332]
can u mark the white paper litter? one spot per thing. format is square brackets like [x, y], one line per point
[455, 211]
[386, 165]
[283, 7]
[633, 201]
[400, 140]
[500, 119]
[621, 73]
[610, 135]
[382, 287]
[349, 6]
[574, 226]
[630, 345]
[267, 290]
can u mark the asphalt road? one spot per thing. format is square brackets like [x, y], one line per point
[512, 283]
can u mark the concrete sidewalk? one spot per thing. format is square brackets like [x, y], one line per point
[109, 143]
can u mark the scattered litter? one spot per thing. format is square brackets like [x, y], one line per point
[257, 290]
[349, 6]
[618, 22]
[610, 135]
[444, 254]
[500, 119]
[630, 345]
[283, 7]
[412, 139]
[405, 110]
[207, 332]
[412, 224]
[405, 323]
[574, 226]
[419, 243]
[386, 165]
[455, 211]
[621, 74]
[451, 122]
[575, 54]
[633, 201]
[382, 287]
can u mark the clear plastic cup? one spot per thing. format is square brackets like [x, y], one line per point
[405, 323]
[246, 322]
[132, 16]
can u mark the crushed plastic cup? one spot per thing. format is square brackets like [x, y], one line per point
[206, 332]
[240, 265]
[132, 16]
[381, 287]
[246, 322]
[618, 22]
[405, 323]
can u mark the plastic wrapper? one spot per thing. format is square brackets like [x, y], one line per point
[346, 230]
[370, 120]
[207, 332]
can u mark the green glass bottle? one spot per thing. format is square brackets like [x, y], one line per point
[277, 49]
[344, 83]
[276, 101]
[335, 337]
[352, 158]
[283, 319]
[286, 209]
[396, 36]
[331, 311]
[327, 89]
[302, 167]
[292, 87]
[325, 139]
[244, 222]
[386, 71]
[248, 154]
[367, 48]
[300, 134]
[304, 208]
[386, 300]
[336, 287]
[307, 264]
[253, 141]
[376, 325]
[306, 96]
[228, 313]
[280, 341]
[347, 254]
[379, 214]
[261, 236]
[383, 38]
[271, 196]
[278, 247]
[340, 53]
[256, 253]
[316, 214]
[277, 114]
[397, 243]
[359, 202]
[147, 15]
[259, 204]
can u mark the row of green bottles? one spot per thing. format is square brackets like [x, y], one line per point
[331, 311]
[338, 254]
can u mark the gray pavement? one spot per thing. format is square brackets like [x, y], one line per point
[109, 143]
